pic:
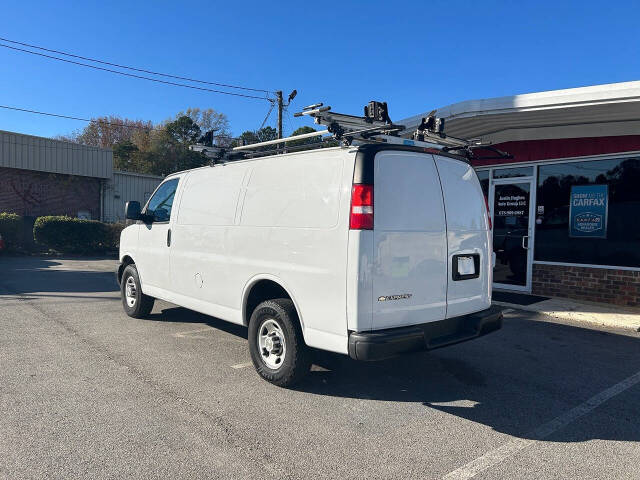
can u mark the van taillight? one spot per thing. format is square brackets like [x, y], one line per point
[361, 207]
[486, 204]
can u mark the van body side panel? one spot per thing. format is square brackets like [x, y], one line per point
[409, 241]
[207, 307]
[294, 226]
[129, 242]
[360, 280]
[199, 252]
[467, 233]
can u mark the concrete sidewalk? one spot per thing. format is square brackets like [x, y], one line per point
[604, 314]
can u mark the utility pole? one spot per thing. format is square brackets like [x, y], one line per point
[280, 107]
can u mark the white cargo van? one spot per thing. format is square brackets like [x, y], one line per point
[369, 251]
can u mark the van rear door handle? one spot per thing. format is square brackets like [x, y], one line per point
[525, 239]
[169, 238]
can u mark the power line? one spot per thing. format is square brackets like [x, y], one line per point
[133, 68]
[167, 82]
[73, 118]
[89, 120]
[273, 104]
[290, 120]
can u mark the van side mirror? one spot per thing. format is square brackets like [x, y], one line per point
[132, 211]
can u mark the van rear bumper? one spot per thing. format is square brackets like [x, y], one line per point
[381, 344]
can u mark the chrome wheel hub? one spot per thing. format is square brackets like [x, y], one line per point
[271, 344]
[130, 291]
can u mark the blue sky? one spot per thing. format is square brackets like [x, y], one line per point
[416, 56]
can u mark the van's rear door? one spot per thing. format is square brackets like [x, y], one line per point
[468, 238]
[409, 235]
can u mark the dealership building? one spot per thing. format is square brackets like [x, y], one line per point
[566, 207]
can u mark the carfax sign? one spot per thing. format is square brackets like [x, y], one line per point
[588, 211]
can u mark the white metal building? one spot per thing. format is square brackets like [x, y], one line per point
[125, 186]
[40, 176]
[28, 152]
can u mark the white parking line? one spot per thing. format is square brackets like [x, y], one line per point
[242, 365]
[190, 333]
[513, 447]
[508, 310]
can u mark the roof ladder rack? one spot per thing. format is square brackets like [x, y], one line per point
[374, 127]
[281, 140]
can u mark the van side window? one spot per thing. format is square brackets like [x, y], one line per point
[162, 200]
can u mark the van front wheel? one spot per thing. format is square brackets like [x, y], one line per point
[136, 304]
[277, 348]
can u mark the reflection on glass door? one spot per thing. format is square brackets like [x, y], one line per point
[511, 230]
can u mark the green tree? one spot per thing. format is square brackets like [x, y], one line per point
[304, 141]
[123, 155]
[312, 141]
[213, 123]
[254, 136]
[105, 132]
[169, 150]
[183, 131]
[140, 146]
[173, 160]
[267, 133]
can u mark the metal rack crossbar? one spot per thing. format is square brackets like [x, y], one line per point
[281, 140]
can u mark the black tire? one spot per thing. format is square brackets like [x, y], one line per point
[143, 304]
[296, 362]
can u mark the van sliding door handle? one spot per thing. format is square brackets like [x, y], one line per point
[169, 238]
[525, 239]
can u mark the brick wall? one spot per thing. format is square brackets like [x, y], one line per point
[32, 193]
[621, 287]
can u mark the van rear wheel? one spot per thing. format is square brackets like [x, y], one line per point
[277, 348]
[136, 304]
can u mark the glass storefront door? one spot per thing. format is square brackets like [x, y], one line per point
[512, 212]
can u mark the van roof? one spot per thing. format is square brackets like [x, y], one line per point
[367, 149]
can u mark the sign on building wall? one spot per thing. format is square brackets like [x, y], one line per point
[588, 206]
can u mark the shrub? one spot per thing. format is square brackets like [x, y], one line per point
[11, 230]
[72, 235]
[112, 235]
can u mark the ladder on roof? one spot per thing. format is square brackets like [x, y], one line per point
[376, 123]
[374, 127]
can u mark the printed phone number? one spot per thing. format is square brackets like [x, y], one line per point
[510, 213]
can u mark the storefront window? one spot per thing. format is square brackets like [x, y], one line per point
[589, 212]
[483, 176]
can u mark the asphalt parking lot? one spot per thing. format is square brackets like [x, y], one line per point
[87, 392]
